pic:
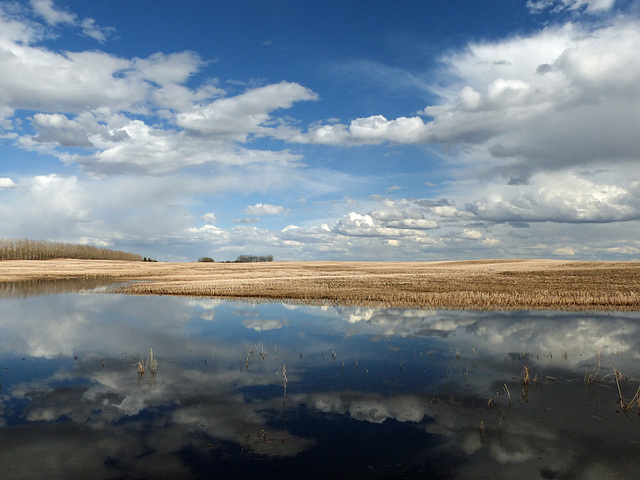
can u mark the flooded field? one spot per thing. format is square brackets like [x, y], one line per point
[114, 386]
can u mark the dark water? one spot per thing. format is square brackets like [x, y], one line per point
[369, 393]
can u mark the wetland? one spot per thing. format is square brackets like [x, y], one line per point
[285, 390]
[470, 285]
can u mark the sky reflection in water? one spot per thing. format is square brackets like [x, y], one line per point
[369, 392]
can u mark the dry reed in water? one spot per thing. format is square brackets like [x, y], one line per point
[150, 364]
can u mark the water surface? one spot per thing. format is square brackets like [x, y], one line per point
[286, 391]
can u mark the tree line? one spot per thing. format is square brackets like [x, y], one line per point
[24, 249]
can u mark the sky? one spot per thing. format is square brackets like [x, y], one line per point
[417, 130]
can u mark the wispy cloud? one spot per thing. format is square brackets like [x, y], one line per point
[46, 10]
[589, 6]
[54, 16]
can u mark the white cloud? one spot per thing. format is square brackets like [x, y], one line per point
[413, 224]
[358, 225]
[564, 251]
[48, 204]
[92, 93]
[264, 209]
[65, 209]
[369, 408]
[295, 235]
[476, 235]
[210, 218]
[40, 80]
[6, 182]
[90, 29]
[56, 129]
[263, 325]
[247, 220]
[560, 198]
[209, 233]
[46, 10]
[168, 69]
[567, 95]
[471, 234]
[590, 6]
[404, 214]
[74, 82]
[370, 130]
[117, 144]
[124, 212]
[244, 114]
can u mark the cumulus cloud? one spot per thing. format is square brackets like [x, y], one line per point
[476, 235]
[295, 235]
[58, 130]
[209, 232]
[406, 214]
[264, 209]
[117, 144]
[244, 114]
[86, 100]
[567, 95]
[6, 182]
[566, 198]
[73, 82]
[358, 225]
[168, 69]
[370, 130]
[41, 80]
[471, 234]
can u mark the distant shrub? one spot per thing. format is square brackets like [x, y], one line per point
[252, 258]
[206, 259]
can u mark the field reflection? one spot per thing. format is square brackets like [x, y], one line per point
[29, 288]
[318, 392]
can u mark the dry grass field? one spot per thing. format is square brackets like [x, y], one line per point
[477, 285]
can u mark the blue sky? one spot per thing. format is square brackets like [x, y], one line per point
[335, 131]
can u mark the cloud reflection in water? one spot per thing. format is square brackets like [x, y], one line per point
[441, 391]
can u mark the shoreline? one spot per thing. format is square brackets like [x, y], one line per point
[469, 285]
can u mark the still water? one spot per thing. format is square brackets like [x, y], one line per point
[282, 391]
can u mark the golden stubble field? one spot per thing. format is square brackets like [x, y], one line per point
[483, 284]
